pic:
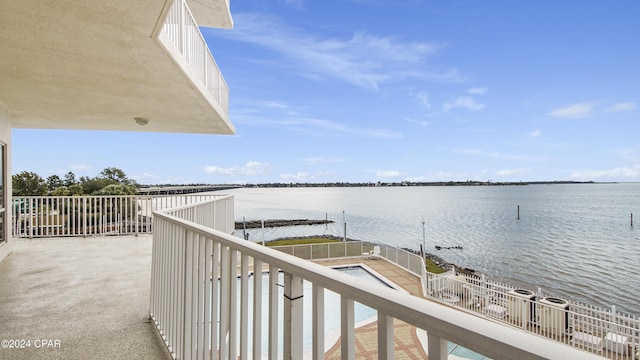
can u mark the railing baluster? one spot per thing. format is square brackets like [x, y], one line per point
[437, 347]
[233, 303]
[202, 280]
[318, 322]
[225, 296]
[347, 328]
[385, 337]
[244, 307]
[293, 307]
[208, 284]
[257, 309]
[273, 313]
[215, 299]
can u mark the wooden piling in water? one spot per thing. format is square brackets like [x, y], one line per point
[631, 219]
[518, 212]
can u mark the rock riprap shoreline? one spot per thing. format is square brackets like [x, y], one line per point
[255, 224]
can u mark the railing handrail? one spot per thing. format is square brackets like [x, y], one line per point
[82, 215]
[480, 335]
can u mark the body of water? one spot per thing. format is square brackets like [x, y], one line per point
[573, 241]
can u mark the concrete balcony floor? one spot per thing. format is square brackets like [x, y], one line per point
[87, 297]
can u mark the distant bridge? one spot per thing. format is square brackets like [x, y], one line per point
[186, 189]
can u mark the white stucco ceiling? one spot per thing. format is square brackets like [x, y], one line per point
[85, 64]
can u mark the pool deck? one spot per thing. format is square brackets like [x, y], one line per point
[407, 343]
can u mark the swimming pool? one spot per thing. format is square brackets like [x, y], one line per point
[362, 314]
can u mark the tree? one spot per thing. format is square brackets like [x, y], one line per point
[60, 191]
[116, 175]
[28, 183]
[93, 185]
[75, 189]
[54, 182]
[70, 179]
[117, 189]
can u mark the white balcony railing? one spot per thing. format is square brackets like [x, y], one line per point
[181, 32]
[54, 216]
[202, 306]
[607, 332]
[603, 331]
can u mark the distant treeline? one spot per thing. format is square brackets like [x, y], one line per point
[408, 183]
[380, 184]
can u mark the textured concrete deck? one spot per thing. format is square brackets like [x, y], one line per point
[87, 297]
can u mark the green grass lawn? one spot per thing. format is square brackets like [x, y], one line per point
[300, 241]
[433, 268]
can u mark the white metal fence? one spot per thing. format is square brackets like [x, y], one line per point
[202, 305]
[405, 259]
[54, 216]
[181, 30]
[606, 332]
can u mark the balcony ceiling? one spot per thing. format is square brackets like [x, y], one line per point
[93, 65]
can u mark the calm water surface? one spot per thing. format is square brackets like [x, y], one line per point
[573, 241]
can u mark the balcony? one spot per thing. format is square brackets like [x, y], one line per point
[121, 65]
[93, 295]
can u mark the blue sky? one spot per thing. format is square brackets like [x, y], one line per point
[394, 90]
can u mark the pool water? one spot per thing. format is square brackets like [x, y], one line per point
[362, 314]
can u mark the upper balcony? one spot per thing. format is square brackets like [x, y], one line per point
[118, 65]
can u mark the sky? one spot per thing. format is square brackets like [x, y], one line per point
[396, 90]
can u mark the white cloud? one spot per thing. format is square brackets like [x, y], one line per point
[478, 91]
[419, 122]
[623, 172]
[535, 133]
[464, 102]
[498, 155]
[387, 173]
[322, 159]
[300, 176]
[512, 172]
[252, 168]
[575, 111]
[298, 4]
[621, 107]
[363, 59]
[281, 115]
[80, 167]
[424, 99]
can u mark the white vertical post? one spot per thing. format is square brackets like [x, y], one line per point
[318, 322]
[273, 312]
[225, 295]
[293, 306]
[437, 347]
[385, 337]
[188, 297]
[202, 279]
[244, 307]
[424, 246]
[209, 282]
[233, 303]
[215, 299]
[257, 309]
[347, 329]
